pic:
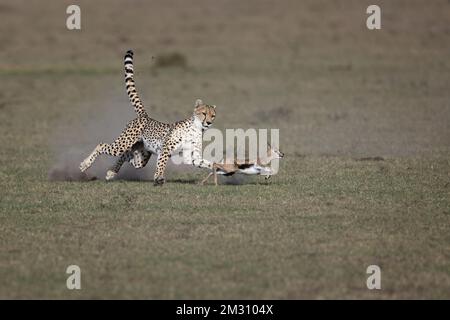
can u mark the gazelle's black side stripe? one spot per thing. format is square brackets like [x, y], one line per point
[131, 86]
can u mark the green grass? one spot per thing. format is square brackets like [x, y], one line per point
[305, 236]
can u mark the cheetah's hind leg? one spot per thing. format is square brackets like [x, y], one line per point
[114, 170]
[121, 145]
[137, 158]
[87, 163]
[102, 148]
[140, 156]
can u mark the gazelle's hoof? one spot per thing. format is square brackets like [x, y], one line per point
[110, 175]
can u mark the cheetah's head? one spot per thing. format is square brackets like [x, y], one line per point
[204, 113]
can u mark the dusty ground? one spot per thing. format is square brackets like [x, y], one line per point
[339, 94]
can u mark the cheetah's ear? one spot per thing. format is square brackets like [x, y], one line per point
[198, 102]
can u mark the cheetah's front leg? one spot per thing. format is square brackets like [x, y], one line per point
[197, 159]
[161, 165]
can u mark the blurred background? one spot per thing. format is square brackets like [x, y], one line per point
[310, 68]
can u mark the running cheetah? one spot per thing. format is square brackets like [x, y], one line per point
[144, 136]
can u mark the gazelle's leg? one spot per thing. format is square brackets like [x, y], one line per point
[215, 174]
[207, 178]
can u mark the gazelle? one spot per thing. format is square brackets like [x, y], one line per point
[258, 167]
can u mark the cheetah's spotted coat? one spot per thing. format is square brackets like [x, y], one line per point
[144, 136]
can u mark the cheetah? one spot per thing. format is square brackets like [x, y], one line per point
[144, 136]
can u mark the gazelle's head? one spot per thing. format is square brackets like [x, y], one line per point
[274, 153]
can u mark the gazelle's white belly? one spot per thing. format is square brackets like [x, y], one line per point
[218, 171]
[256, 169]
[251, 170]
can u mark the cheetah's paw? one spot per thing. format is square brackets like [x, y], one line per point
[110, 175]
[159, 181]
[84, 166]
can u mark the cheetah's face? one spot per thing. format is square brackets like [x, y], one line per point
[204, 113]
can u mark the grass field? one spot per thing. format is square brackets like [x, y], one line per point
[364, 123]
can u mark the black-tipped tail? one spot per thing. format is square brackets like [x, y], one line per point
[131, 86]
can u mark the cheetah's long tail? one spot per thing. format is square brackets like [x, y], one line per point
[131, 86]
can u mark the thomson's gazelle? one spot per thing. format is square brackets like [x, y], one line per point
[258, 167]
